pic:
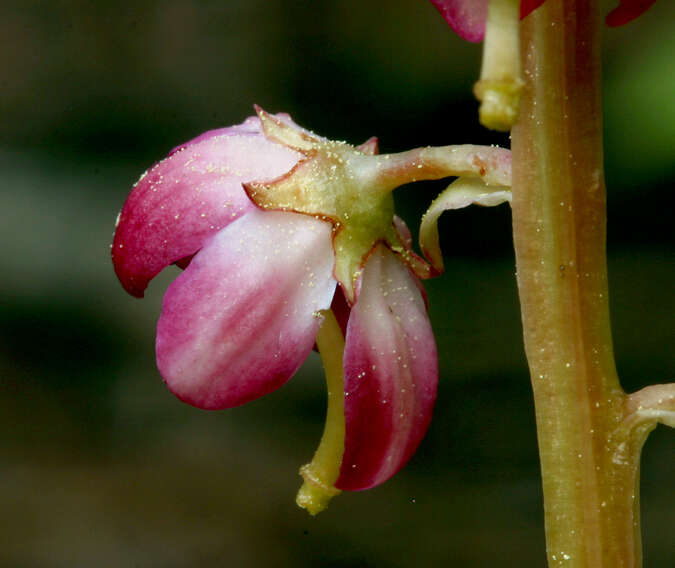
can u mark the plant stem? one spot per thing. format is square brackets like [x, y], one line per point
[590, 480]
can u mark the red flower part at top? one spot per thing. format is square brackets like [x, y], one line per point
[467, 17]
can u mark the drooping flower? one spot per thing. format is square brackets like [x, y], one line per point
[243, 316]
[273, 225]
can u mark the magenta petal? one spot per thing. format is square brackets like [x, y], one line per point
[529, 6]
[391, 374]
[189, 196]
[626, 11]
[242, 317]
[466, 17]
[341, 309]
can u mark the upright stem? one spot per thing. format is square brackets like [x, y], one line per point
[589, 478]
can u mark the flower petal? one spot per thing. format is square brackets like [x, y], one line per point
[341, 309]
[466, 17]
[242, 317]
[626, 11]
[189, 196]
[460, 193]
[528, 6]
[391, 373]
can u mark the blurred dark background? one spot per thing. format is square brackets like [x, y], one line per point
[101, 466]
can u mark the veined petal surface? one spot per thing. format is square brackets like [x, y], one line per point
[391, 373]
[243, 316]
[189, 196]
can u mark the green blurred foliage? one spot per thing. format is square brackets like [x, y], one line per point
[100, 465]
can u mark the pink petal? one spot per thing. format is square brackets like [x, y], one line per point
[189, 196]
[391, 374]
[626, 11]
[341, 309]
[466, 17]
[242, 317]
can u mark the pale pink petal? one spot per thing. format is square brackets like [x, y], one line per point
[391, 373]
[243, 316]
[250, 126]
[466, 17]
[189, 196]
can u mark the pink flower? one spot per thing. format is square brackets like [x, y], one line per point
[467, 17]
[244, 314]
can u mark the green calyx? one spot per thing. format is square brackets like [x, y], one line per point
[337, 183]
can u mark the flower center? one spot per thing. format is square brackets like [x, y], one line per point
[337, 183]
